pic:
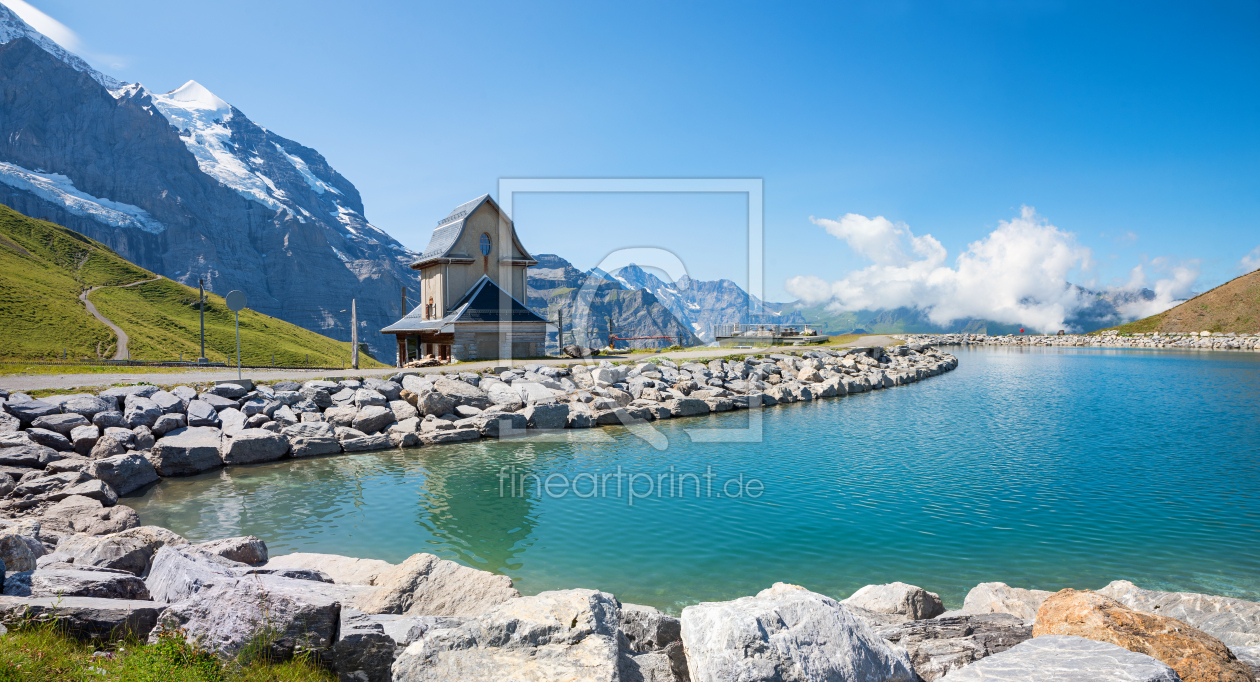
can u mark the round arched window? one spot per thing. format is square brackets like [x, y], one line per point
[485, 244]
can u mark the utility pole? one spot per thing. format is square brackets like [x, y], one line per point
[560, 331]
[202, 309]
[403, 306]
[354, 337]
[611, 339]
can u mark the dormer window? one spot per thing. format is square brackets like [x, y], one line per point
[485, 244]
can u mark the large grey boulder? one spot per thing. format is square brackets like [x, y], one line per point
[253, 445]
[80, 514]
[898, 599]
[939, 645]
[16, 553]
[84, 438]
[786, 633]
[141, 412]
[201, 413]
[232, 421]
[342, 415]
[365, 397]
[373, 418]
[228, 390]
[187, 451]
[1065, 658]
[218, 402]
[122, 392]
[652, 642]
[94, 489]
[31, 410]
[48, 484]
[435, 403]
[89, 406]
[167, 423]
[9, 423]
[425, 585]
[546, 417]
[129, 550]
[49, 439]
[246, 549]
[311, 438]
[60, 579]
[1002, 598]
[124, 473]
[61, 423]
[492, 424]
[186, 395]
[502, 394]
[687, 407]
[462, 393]
[180, 571]
[367, 443]
[32, 456]
[563, 635]
[343, 570]
[108, 446]
[87, 618]
[390, 389]
[1235, 622]
[363, 652]
[227, 616]
[168, 402]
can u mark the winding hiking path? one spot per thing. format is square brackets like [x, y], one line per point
[121, 353]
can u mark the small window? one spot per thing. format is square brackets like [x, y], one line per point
[485, 244]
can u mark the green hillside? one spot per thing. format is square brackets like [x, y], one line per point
[44, 267]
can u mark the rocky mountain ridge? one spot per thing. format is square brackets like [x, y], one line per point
[187, 186]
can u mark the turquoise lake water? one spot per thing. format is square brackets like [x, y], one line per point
[1041, 468]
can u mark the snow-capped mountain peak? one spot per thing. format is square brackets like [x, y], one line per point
[192, 101]
[12, 27]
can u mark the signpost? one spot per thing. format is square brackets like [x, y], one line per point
[235, 303]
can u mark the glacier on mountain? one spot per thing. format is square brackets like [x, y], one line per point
[60, 189]
[12, 27]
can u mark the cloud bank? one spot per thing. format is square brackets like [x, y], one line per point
[1017, 274]
[1250, 262]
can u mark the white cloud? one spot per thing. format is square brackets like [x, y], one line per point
[1017, 274]
[1250, 261]
[1169, 291]
[59, 32]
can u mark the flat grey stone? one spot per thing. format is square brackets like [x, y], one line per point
[201, 413]
[28, 412]
[124, 473]
[253, 445]
[87, 617]
[61, 423]
[187, 451]
[939, 645]
[246, 549]
[1065, 658]
[73, 581]
[49, 439]
[88, 406]
[121, 392]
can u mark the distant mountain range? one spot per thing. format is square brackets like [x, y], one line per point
[185, 185]
[1232, 307]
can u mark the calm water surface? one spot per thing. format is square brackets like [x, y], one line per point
[1040, 468]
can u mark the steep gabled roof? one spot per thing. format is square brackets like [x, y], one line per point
[484, 302]
[449, 229]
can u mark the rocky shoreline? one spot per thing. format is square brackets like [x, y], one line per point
[1108, 339]
[72, 554]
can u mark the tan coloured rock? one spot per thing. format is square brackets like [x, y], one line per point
[425, 585]
[1194, 654]
[897, 598]
[1002, 598]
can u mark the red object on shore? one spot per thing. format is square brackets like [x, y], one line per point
[1021, 330]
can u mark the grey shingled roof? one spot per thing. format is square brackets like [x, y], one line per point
[449, 229]
[481, 303]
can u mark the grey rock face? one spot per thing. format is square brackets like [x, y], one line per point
[187, 451]
[253, 445]
[233, 421]
[653, 644]
[130, 550]
[44, 485]
[1064, 658]
[435, 403]
[168, 402]
[429, 586]
[141, 412]
[370, 443]
[9, 423]
[461, 393]
[122, 392]
[373, 418]
[246, 549]
[201, 413]
[363, 651]
[15, 553]
[86, 617]
[167, 423]
[786, 632]
[1002, 598]
[341, 415]
[224, 616]
[227, 390]
[74, 581]
[1249, 655]
[939, 645]
[88, 406]
[93, 489]
[365, 397]
[84, 438]
[107, 446]
[144, 438]
[33, 456]
[390, 389]
[29, 411]
[109, 419]
[554, 416]
[49, 439]
[909, 601]
[61, 423]
[124, 473]
[492, 424]
[561, 635]
[1235, 622]
[180, 571]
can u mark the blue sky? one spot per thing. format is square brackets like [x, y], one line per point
[1131, 126]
